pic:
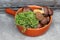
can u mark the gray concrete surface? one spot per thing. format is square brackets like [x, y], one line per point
[8, 30]
[18, 3]
[9, 3]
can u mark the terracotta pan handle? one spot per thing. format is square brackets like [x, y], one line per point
[10, 11]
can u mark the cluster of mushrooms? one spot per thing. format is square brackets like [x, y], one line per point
[42, 14]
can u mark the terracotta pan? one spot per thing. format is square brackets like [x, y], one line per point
[30, 31]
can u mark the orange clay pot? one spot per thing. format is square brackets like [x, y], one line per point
[30, 31]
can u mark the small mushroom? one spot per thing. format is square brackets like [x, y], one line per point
[50, 11]
[39, 16]
[44, 21]
[48, 19]
[39, 25]
[26, 9]
[45, 11]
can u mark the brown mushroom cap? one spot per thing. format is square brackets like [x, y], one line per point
[48, 18]
[44, 21]
[39, 25]
[26, 9]
[39, 16]
[45, 11]
[50, 11]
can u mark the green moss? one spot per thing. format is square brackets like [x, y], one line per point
[26, 19]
